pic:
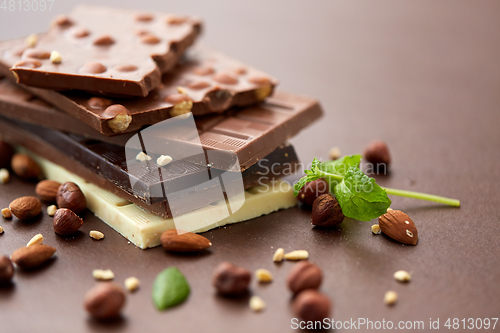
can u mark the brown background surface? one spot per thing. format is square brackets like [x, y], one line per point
[422, 75]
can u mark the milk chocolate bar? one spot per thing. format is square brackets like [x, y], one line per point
[204, 82]
[105, 165]
[106, 50]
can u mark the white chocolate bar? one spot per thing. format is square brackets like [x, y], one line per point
[144, 229]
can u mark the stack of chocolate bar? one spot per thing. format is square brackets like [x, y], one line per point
[159, 133]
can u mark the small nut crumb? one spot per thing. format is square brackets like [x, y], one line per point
[402, 276]
[390, 298]
[6, 213]
[257, 304]
[96, 234]
[376, 229]
[4, 176]
[37, 239]
[51, 210]
[297, 255]
[182, 90]
[31, 40]
[388, 209]
[55, 57]
[263, 275]
[163, 160]
[143, 157]
[334, 153]
[100, 274]
[132, 283]
[1, 230]
[278, 255]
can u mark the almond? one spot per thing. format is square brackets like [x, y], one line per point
[399, 226]
[184, 242]
[66, 222]
[32, 256]
[25, 167]
[25, 208]
[47, 190]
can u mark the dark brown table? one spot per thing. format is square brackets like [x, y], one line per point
[422, 75]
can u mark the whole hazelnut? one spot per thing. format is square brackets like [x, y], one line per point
[104, 301]
[6, 270]
[6, 153]
[70, 196]
[326, 211]
[377, 153]
[304, 275]
[66, 222]
[312, 190]
[25, 167]
[311, 305]
[230, 279]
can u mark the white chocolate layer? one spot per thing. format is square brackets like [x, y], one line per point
[144, 229]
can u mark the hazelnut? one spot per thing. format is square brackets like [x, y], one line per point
[304, 275]
[312, 190]
[25, 167]
[6, 270]
[326, 211]
[70, 196]
[377, 153]
[6, 153]
[231, 280]
[66, 222]
[105, 300]
[311, 305]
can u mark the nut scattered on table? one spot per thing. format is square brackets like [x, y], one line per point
[326, 211]
[230, 279]
[105, 275]
[178, 241]
[1, 230]
[36, 240]
[164, 160]
[97, 235]
[377, 153]
[334, 153]
[70, 196]
[104, 301]
[25, 167]
[143, 157]
[376, 229]
[32, 256]
[6, 153]
[6, 213]
[399, 226]
[263, 275]
[46, 190]
[25, 208]
[297, 255]
[257, 304]
[4, 176]
[132, 283]
[312, 190]
[402, 276]
[311, 305]
[279, 255]
[304, 275]
[6, 270]
[66, 222]
[390, 297]
[51, 210]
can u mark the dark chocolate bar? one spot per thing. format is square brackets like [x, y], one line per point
[106, 166]
[106, 50]
[204, 82]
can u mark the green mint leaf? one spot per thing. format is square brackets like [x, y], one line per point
[170, 288]
[360, 197]
[341, 165]
[303, 181]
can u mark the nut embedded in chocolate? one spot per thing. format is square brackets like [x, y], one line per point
[225, 78]
[36, 54]
[304, 275]
[6, 270]
[231, 280]
[326, 211]
[70, 196]
[104, 40]
[310, 191]
[93, 68]
[66, 222]
[311, 305]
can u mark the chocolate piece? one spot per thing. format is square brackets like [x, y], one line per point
[106, 166]
[97, 43]
[250, 133]
[194, 85]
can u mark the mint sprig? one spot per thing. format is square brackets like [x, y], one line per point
[359, 196]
